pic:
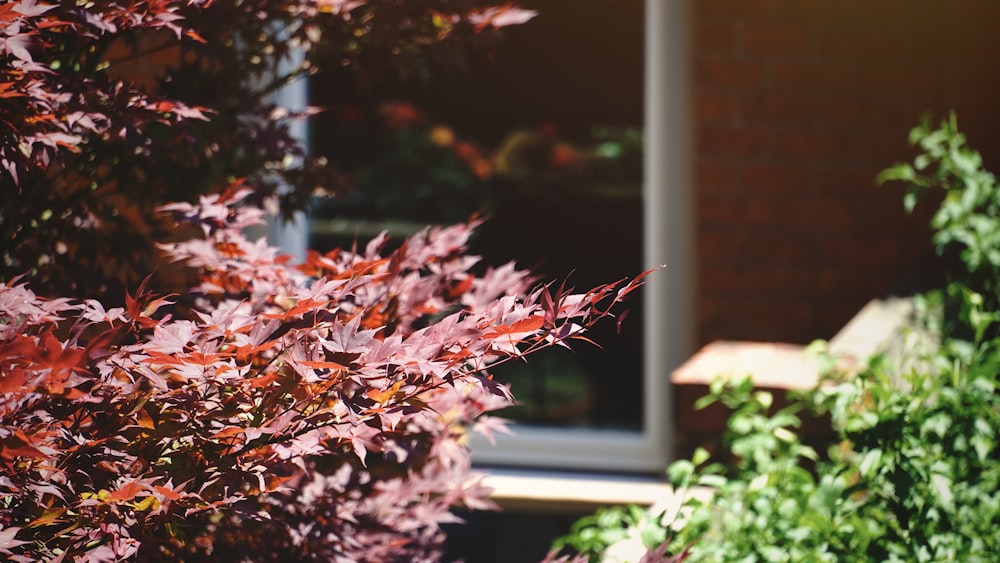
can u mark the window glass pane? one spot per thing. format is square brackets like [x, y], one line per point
[544, 137]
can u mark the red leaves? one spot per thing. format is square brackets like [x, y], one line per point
[383, 395]
[48, 518]
[51, 116]
[500, 16]
[11, 379]
[261, 388]
[518, 329]
[18, 45]
[7, 90]
[127, 492]
[16, 444]
[324, 365]
[42, 361]
[348, 338]
[179, 109]
[460, 287]
[141, 307]
[508, 337]
[291, 400]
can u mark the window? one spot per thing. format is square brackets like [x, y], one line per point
[570, 114]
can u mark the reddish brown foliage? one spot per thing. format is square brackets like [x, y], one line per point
[266, 414]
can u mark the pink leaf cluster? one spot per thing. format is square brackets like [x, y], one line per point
[109, 109]
[275, 412]
[58, 94]
[49, 109]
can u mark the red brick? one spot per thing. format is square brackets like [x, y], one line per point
[886, 113]
[707, 332]
[814, 76]
[784, 281]
[755, 211]
[716, 211]
[833, 280]
[889, 220]
[737, 142]
[832, 179]
[711, 309]
[791, 280]
[896, 78]
[879, 282]
[778, 320]
[858, 251]
[777, 107]
[840, 43]
[834, 76]
[714, 245]
[840, 111]
[908, 243]
[715, 38]
[716, 279]
[735, 210]
[729, 74]
[829, 12]
[719, 245]
[854, 13]
[768, 179]
[777, 247]
[708, 307]
[715, 177]
[715, 107]
[780, 39]
[865, 41]
[902, 42]
[834, 120]
[970, 32]
[826, 214]
[821, 145]
[884, 149]
[732, 9]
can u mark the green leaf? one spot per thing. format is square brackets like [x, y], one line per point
[704, 402]
[714, 481]
[785, 435]
[897, 172]
[700, 456]
[869, 462]
[764, 398]
[680, 472]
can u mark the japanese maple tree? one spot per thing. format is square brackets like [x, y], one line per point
[109, 109]
[264, 410]
[273, 412]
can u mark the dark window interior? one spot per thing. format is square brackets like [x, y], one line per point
[555, 113]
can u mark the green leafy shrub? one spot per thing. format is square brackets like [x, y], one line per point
[966, 226]
[913, 473]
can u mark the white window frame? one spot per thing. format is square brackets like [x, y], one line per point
[669, 294]
[292, 236]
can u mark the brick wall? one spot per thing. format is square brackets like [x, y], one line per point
[798, 105]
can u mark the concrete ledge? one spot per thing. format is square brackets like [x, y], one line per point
[772, 365]
[875, 329]
[555, 491]
[879, 327]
